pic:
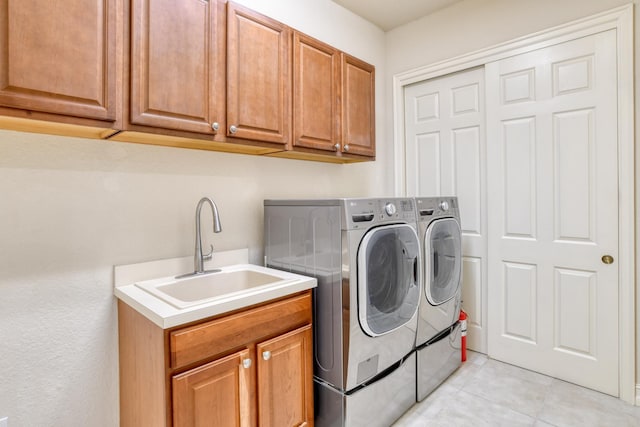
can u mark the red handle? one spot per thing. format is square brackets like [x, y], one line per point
[463, 334]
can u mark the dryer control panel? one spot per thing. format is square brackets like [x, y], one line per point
[429, 208]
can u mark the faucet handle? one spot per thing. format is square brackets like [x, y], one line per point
[208, 256]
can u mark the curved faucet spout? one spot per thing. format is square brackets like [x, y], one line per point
[199, 257]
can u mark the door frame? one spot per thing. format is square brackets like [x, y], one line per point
[620, 19]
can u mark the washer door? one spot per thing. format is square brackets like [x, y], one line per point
[443, 255]
[388, 285]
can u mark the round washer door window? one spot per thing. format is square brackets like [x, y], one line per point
[443, 254]
[388, 286]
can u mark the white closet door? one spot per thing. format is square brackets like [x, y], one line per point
[445, 155]
[553, 211]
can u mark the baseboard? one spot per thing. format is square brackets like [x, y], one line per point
[637, 394]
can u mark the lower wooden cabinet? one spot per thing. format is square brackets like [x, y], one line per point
[216, 394]
[285, 380]
[249, 368]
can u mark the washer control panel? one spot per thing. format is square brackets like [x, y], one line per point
[390, 209]
[366, 212]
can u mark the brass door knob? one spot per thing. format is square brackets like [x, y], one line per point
[607, 259]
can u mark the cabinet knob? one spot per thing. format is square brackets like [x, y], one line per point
[337, 146]
[346, 147]
[215, 126]
[266, 355]
[233, 129]
[246, 363]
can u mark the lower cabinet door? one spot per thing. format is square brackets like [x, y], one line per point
[285, 380]
[216, 394]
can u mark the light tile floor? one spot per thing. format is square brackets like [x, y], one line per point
[485, 392]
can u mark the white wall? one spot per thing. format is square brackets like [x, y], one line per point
[71, 209]
[471, 25]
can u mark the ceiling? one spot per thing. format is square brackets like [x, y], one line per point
[388, 15]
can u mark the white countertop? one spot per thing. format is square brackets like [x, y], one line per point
[166, 315]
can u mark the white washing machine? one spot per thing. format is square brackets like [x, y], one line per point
[438, 332]
[365, 254]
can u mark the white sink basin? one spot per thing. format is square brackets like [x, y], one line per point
[153, 291]
[230, 283]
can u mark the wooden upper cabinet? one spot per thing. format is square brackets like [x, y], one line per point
[358, 91]
[285, 385]
[258, 77]
[59, 57]
[177, 65]
[316, 94]
[206, 74]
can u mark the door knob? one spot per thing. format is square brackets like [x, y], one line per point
[246, 363]
[266, 355]
[337, 146]
[607, 259]
[215, 126]
[233, 129]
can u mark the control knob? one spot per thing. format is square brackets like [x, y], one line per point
[390, 209]
[444, 205]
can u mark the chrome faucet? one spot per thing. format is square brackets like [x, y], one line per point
[200, 258]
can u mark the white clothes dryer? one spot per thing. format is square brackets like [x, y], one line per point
[438, 331]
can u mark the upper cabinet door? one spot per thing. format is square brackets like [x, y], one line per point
[258, 77]
[316, 89]
[59, 57]
[176, 65]
[358, 80]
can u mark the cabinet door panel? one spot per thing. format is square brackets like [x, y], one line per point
[59, 57]
[215, 394]
[175, 65]
[285, 385]
[359, 106]
[316, 88]
[258, 76]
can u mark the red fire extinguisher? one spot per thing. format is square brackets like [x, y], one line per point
[463, 334]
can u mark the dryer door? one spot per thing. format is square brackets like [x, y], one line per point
[443, 255]
[388, 285]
